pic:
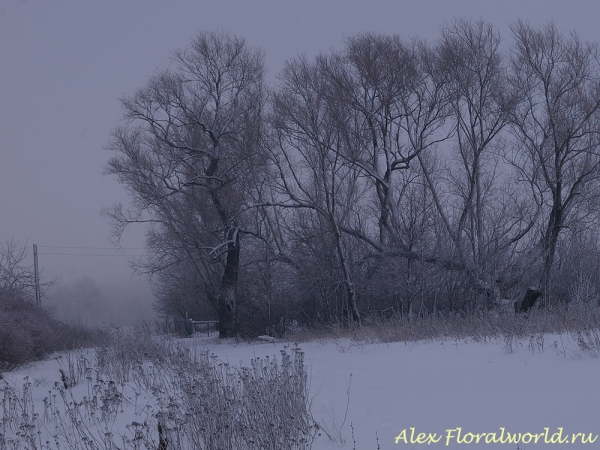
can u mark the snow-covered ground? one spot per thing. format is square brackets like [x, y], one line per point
[381, 393]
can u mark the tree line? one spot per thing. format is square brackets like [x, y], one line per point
[393, 176]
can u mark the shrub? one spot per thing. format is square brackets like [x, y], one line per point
[29, 332]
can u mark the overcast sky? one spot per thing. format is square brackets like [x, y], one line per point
[64, 64]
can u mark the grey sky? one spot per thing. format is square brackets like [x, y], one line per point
[65, 63]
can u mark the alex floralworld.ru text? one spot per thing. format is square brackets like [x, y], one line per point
[456, 435]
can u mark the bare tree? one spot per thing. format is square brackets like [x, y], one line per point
[186, 156]
[557, 125]
[430, 162]
[17, 279]
[314, 178]
[181, 292]
[395, 105]
[469, 197]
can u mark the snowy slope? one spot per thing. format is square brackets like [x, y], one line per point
[431, 387]
[437, 386]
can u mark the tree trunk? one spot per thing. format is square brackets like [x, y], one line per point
[550, 241]
[227, 295]
[350, 309]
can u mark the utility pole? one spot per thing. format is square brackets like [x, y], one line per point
[38, 299]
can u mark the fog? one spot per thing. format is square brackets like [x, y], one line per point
[118, 302]
[63, 66]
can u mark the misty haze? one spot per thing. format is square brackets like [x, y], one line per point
[85, 300]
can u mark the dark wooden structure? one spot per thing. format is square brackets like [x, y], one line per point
[529, 300]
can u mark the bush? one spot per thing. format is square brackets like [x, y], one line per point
[29, 332]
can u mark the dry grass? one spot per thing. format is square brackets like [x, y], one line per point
[163, 395]
[479, 326]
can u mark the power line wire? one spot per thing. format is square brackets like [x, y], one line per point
[87, 254]
[92, 248]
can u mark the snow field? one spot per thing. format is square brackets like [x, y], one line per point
[365, 396]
